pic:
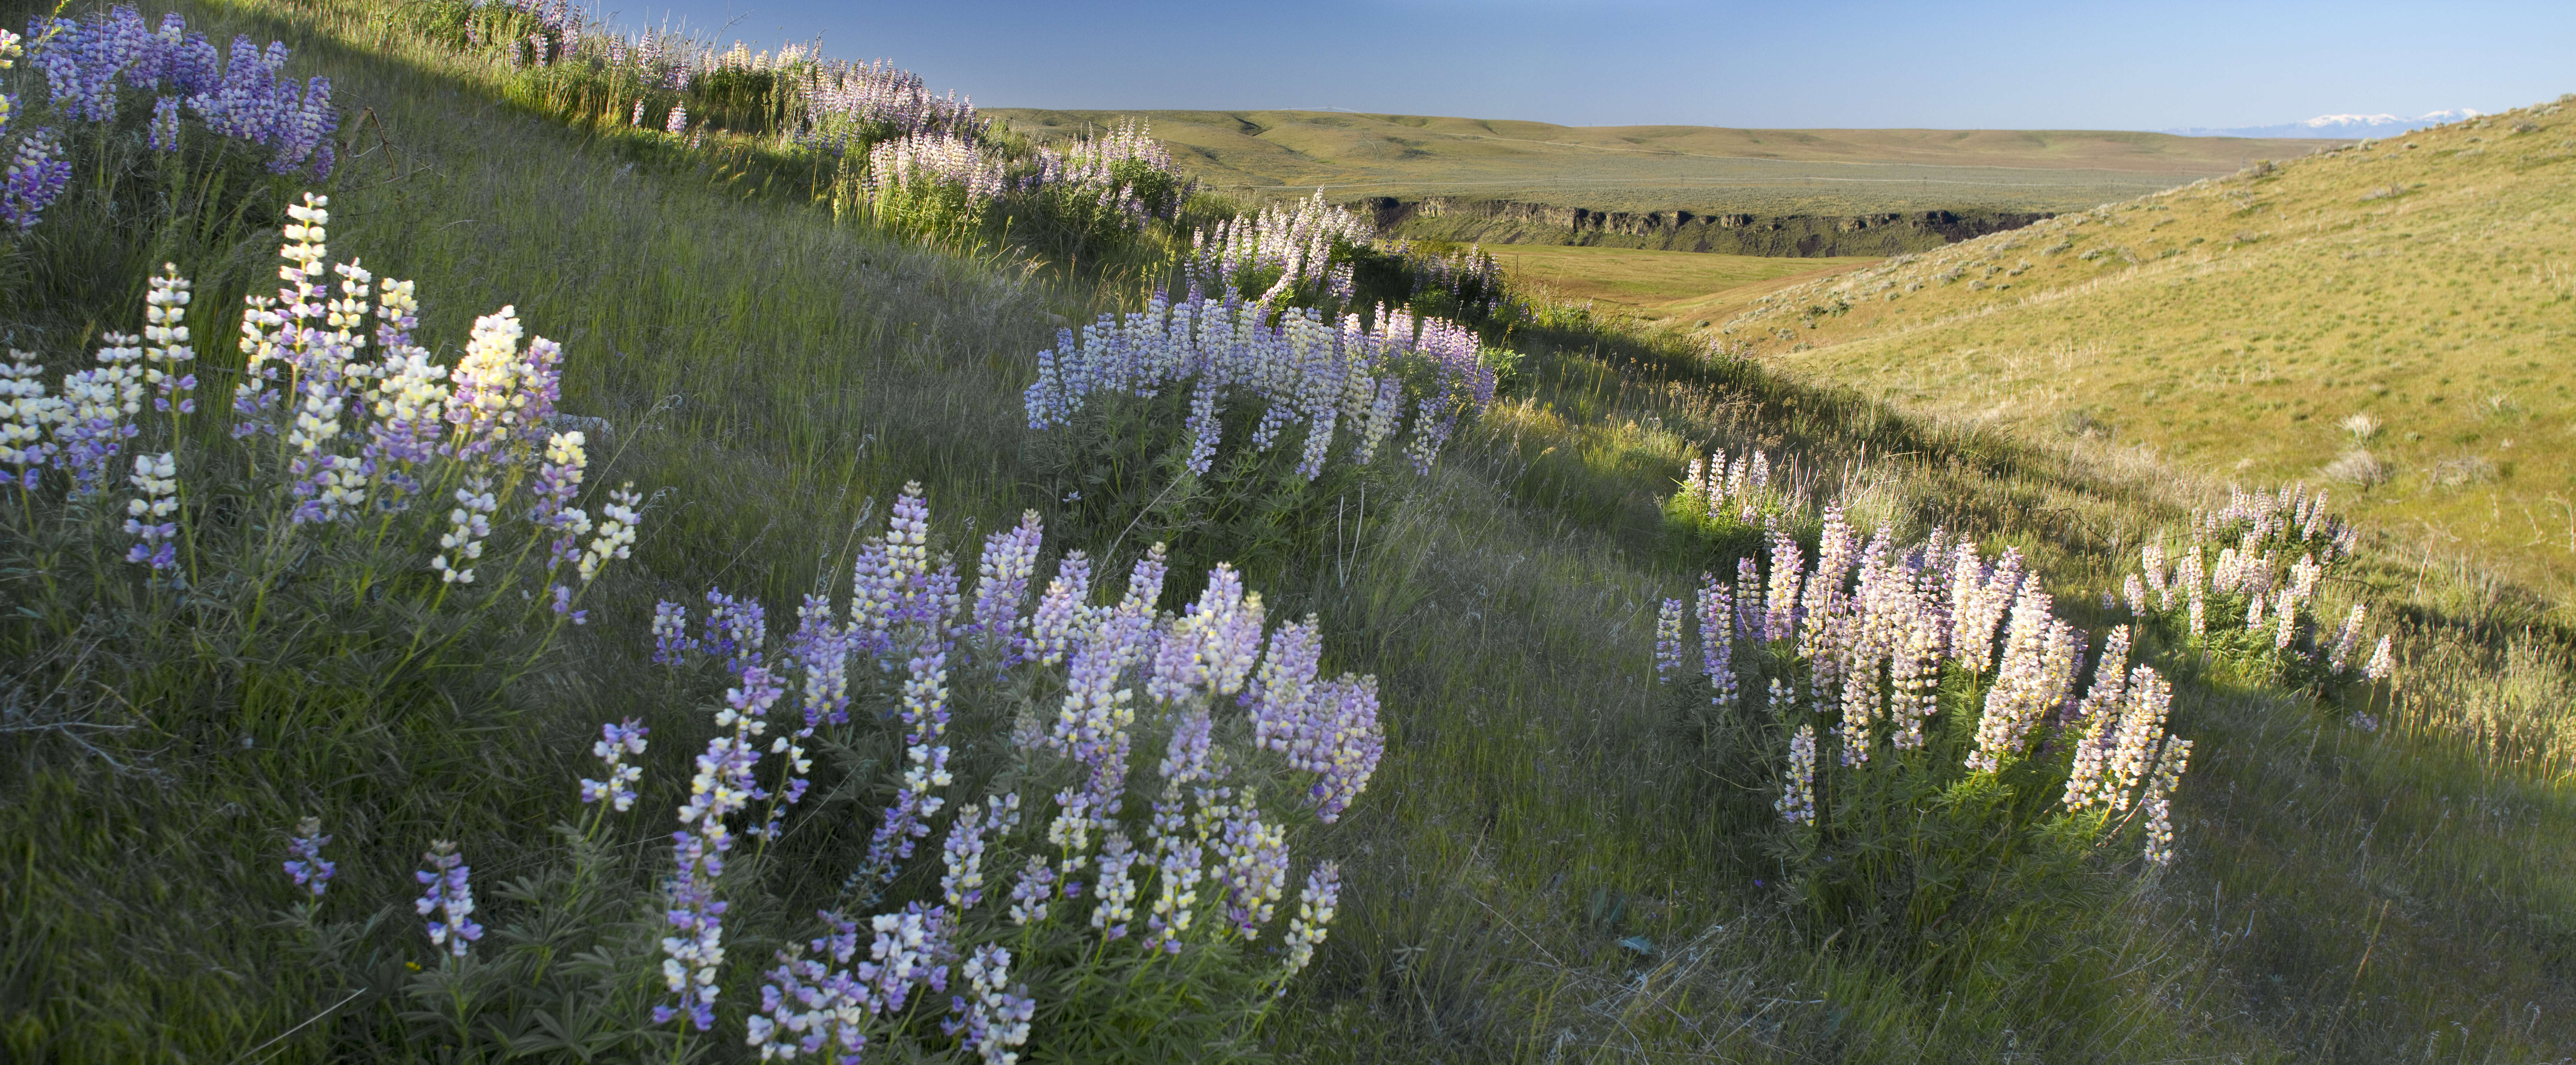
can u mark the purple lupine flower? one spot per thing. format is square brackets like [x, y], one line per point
[2347, 639]
[925, 715]
[1204, 426]
[1313, 921]
[1211, 648]
[26, 413]
[725, 784]
[156, 477]
[616, 742]
[736, 629]
[1031, 891]
[2170, 764]
[559, 476]
[1788, 575]
[1063, 623]
[821, 650]
[1002, 582]
[1177, 873]
[1668, 640]
[165, 124]
[813, 1005]
[2037, 670]
[671, 642]
[37, 173]
[1283, 692]
[166, 351]
[1749, 609]
[305, 862]
[995, 1020]
[95, 418]
[1797, 802]
[1252, 869]
[2383, 663]
[1186, 756]
[1717, 638]
[1358, 743]
[451, 894]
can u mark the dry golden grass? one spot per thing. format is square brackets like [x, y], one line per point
[2412, 300]
[1665, 167]
[1654, 284]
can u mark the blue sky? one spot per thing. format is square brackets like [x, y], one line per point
[2024, 65]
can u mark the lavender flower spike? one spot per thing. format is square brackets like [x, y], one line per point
[1314, 918]
[306, 865]
[615, 743]
[1668, 641]
[451, 895]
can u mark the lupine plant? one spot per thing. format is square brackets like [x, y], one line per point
[1289, 255]
[96, 88]
[1121, 882]
[1732, 500]
[2245, 583]
[1217, 414]
[349, 442]
[1941, 743]
[889, 151]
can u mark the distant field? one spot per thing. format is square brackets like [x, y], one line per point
[2400, 319]
[1702, 168]
[1652, 283]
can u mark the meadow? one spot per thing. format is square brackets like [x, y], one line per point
[1652, 168]
[1646, 281]
[1574, 823]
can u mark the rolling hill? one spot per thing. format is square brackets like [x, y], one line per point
[2397, 317]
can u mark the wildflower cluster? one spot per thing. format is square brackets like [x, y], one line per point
[1358, 375]
[1308, 246]
[97, 70]
[1228, 708]
[2248, 582]
[1470, 278]
[904, 155]
[1742, 490]
[1853, 643]
[364, 437]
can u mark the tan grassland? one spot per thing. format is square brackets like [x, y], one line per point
[1665, 167]
[2399, 317]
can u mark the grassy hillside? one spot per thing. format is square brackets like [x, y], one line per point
[2395, 319]
[1700, 168]
[1558, 860]
[1647, 280]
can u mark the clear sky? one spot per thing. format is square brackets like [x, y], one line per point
[2068, 64]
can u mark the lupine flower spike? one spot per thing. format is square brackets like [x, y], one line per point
[615, 743]
[305, 863]
[451, 895]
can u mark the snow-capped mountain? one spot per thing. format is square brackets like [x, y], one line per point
[2338, 127]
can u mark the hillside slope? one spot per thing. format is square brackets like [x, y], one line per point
[2397, 316]
[1644, 168]
[1559, 860]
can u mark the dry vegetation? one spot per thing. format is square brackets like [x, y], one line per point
[1764, 171]
[2394, 317]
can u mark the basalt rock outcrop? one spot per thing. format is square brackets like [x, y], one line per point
[1517, 222]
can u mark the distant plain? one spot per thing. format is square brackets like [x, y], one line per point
[1644, 168]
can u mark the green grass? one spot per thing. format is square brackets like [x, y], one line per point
[2343, 896]
[1643, 168]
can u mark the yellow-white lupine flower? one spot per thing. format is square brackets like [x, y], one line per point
[616, 532]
